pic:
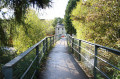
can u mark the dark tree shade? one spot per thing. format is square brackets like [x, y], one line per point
[2, 35]
[20, 6]
[68, 23]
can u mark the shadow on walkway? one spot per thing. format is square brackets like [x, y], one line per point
[61, 64]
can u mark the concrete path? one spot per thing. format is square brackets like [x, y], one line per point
[61, 64]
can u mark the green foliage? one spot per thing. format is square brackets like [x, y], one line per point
[49, 28]
[22, 36]
[67, 21]
[32, 31]
[2, 35]
[20, 6]
[98, 21]
[22, 31]
[57, 20]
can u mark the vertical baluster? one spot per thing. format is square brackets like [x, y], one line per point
[7, 72]
[59, 36]
[69, 41]
[46, 44]
[95, 62]
[43, 47]
[53, 40]
[50, 42]
[37, 53]
[72, 45]
[79, 56]
[37, 63]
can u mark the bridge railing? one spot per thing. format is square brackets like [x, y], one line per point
[102, 63]
[26, 65]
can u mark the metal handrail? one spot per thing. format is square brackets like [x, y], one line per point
[71, 43]
[8, 68]
[18, 58]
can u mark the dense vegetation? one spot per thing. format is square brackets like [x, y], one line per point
[20, 6]
[57, 20]
[98, 21]
[23, 36]
[67, 21]
[23, 29]
[35, 30]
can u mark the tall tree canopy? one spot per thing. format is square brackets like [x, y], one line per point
[98, 21]
[57, 20]
[20, 6]
[68, 23]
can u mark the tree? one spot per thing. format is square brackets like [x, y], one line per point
[3, 36]
[20, 9]
[20, 6]
[57, 20]
[98, 21]
[21, 31]
[33, 33]
[67, 21]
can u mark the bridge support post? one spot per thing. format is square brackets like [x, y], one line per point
[79, 56]
[50, 42]
[46, 44]
[8, 72]
[72, 45]
[95, 63]
[56, 38]
[70, 41]
[53, 40]
[37, 65]
[67, 39]
[43, 46]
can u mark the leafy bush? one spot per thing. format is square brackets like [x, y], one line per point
[98, 21]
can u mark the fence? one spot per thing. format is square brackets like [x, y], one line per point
[26, 65]
[101, 58]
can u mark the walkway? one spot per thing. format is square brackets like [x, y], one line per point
[61, 64]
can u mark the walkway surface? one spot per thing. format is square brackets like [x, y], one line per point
[61, 64]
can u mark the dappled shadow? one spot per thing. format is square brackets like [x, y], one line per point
[61, 64]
